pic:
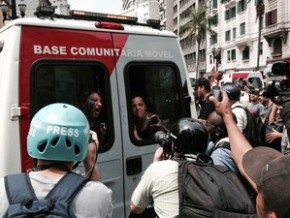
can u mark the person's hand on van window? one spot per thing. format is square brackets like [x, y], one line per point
[145, 123]
[93, 108]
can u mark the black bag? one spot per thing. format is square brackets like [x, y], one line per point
[23, 202]
[254, 128]
[206, 190]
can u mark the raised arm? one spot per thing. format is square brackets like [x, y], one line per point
[239, 144]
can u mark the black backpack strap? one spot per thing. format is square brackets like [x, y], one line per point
[223, 144]
[19, 183]
[240, 106]
[66, 189]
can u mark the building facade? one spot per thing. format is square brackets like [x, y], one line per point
[236, 42]
[176, 16]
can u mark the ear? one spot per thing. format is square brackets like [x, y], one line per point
[218, 131]
[272, 214]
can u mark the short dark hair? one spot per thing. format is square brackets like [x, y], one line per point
[203, 82]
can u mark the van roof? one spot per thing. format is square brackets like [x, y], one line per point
[84, 25]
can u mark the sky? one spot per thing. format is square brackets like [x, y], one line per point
[104, 6]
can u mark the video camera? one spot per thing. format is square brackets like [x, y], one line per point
[165, 140]
[279, 91]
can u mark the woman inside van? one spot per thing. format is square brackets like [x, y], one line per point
[92, 107]
[145, 123]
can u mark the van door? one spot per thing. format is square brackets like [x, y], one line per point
[55, 68]
[150, 67]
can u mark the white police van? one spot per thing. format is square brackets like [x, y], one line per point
[57, 58]
[253, 77]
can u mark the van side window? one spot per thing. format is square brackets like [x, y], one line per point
[84, 85]
[154, 98]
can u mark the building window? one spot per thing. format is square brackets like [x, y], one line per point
[213, 20]
[210, 59]
[233, 54]
[261, 48]
[202, 55]
[242, 5]
[242, 28]
[228, 35]
[213, 39]
[214, 3]
[271, 17]
[227, 15]
[246, 53]
[277, 47]
[233, 12]
[230, 13]
[234, 33]
[229, 55]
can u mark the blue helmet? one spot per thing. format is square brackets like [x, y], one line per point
[58, 132]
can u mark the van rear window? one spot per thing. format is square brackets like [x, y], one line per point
[155, 99]
[82, 84]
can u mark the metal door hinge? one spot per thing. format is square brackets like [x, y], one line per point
[16, 112]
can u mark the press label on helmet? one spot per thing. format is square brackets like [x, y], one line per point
[35, 124]
[65, 131]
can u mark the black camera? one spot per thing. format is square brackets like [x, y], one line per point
[279, 91]
[164, 140]
[216, 92]
[281, 68]
[152, 120]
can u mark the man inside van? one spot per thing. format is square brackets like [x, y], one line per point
[203, 89]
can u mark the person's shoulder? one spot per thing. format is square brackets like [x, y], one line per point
[94, 188]
[160, 167]
[97, 186]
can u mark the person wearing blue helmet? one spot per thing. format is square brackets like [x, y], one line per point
[59, 138]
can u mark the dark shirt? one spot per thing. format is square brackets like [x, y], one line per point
[206, 108]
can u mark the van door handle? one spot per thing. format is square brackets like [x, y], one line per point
[134, 165]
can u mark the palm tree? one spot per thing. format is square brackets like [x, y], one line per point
[260, 8]
[197, 27]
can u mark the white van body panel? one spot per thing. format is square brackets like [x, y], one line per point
[255, 76]
[9, 80]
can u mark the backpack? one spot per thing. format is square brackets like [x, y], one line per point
[254, 128]
[206, 190]
[23, 201]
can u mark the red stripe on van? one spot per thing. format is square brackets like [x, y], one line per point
[51, 43]
[240, 75]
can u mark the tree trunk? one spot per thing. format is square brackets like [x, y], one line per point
[197, 58]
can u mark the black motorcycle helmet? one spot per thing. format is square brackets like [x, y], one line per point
[233, 91]
[190, 136]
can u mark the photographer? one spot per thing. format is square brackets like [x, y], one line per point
[159, 183]
[279, 93]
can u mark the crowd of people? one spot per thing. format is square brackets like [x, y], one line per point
[219, 129]
[217, 132]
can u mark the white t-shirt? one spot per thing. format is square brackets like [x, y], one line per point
[159, 182]
[94, 200]
[241, 115]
